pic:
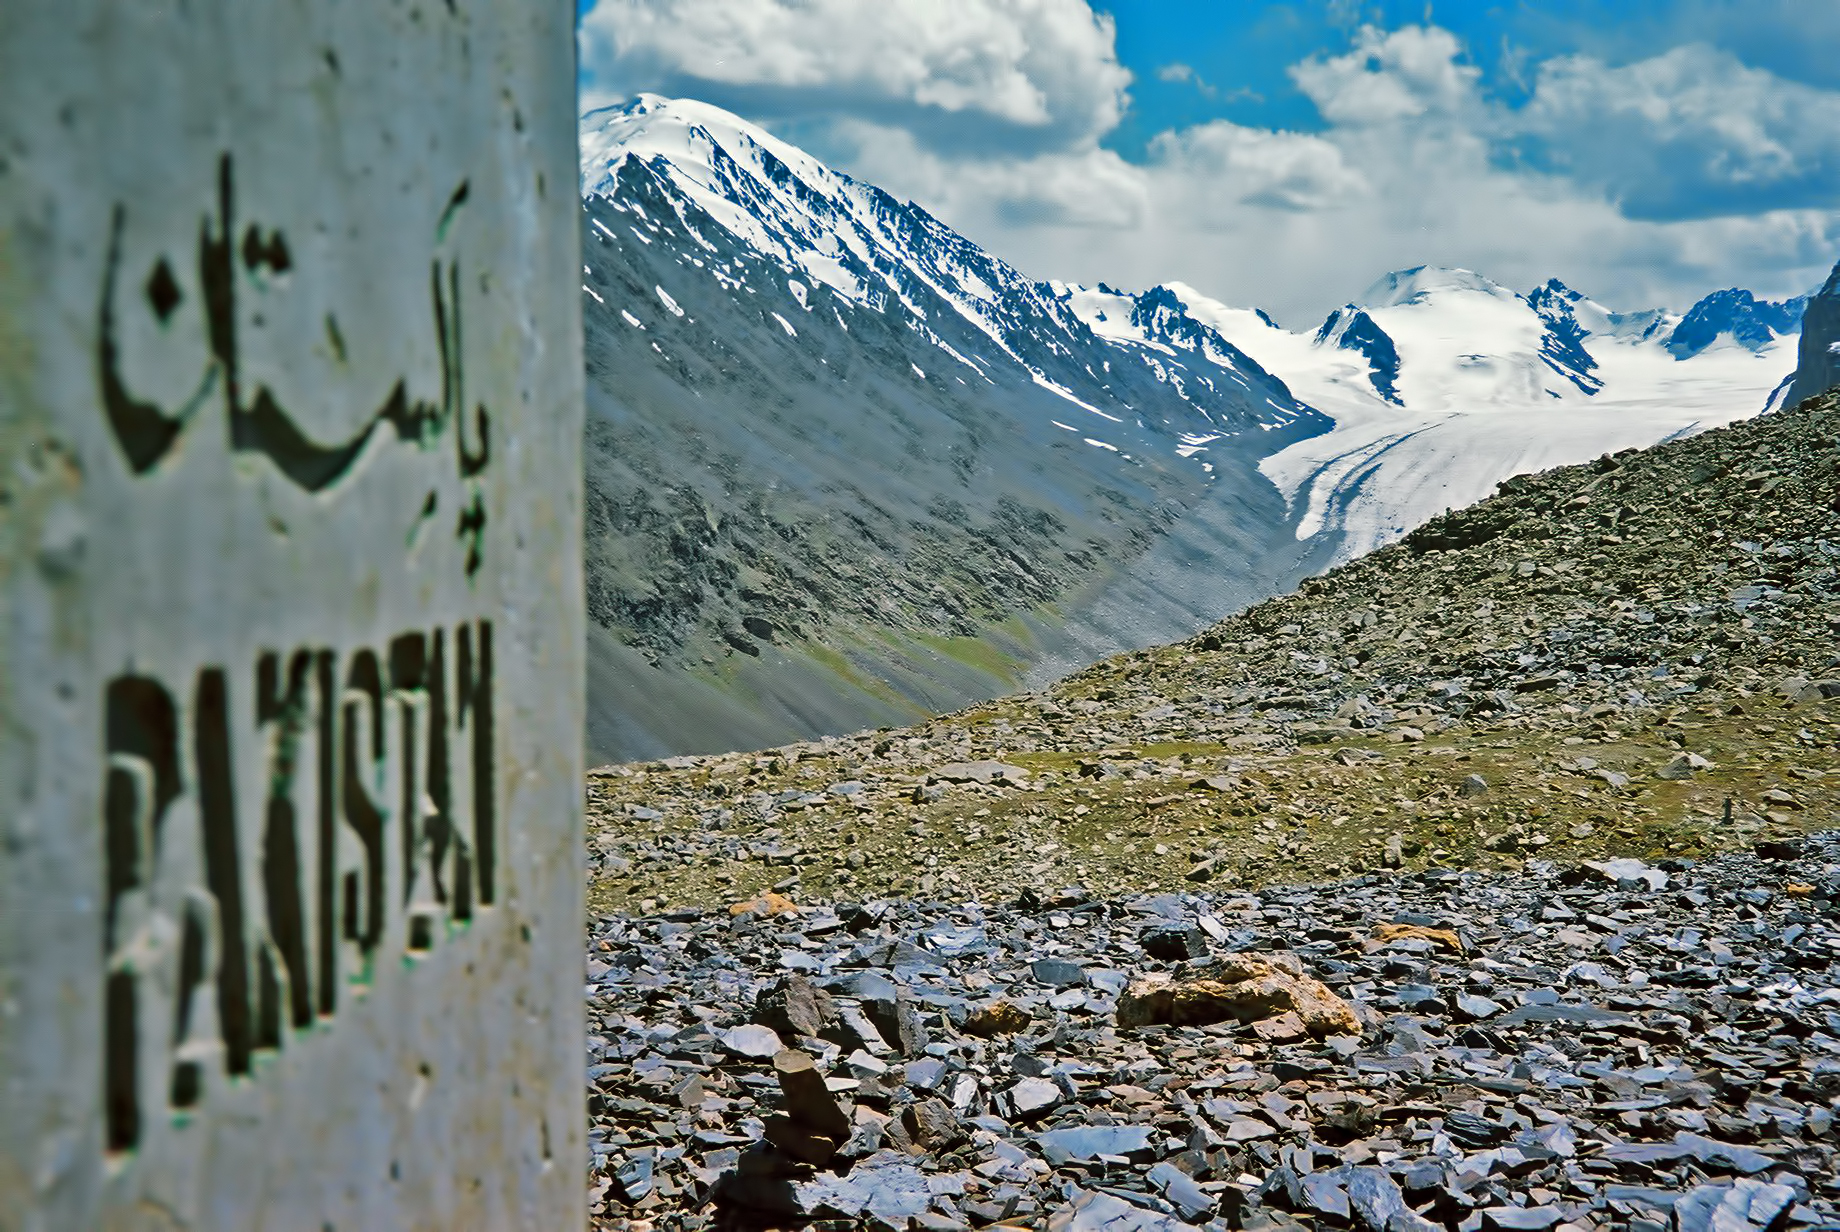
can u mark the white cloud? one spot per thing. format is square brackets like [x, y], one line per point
[1693, 126]
[1409, 73]
[1042, 66]
[1179, 72]
[1090, 191]
[1233, 165]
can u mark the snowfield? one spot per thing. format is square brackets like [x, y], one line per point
[1481, 401]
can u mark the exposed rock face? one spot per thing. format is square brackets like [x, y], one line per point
[1737, 314]
[1817, 368]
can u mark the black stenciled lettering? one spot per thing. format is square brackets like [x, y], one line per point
[144, 431]
[187, 1079]
[270, 979]
[408, 673]
[142, 738]
[449, 334]
[163, 293]
[223, 867]
[277, 964]
[141, 735]
[361, 714]
[324, 676]
[285, 710]
[120, 1066]
[472, 529]
[473, 672]
[147, 432]
[441, 834]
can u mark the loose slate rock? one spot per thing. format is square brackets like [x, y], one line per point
[1032, 1098]
[1174, 942]
[1679, 1071]
[1087, 1142]
[752, 1040]
[794, 1006]
[997, 1018]
[1093, 1211]
[1520, 1218]
[1733, 1207]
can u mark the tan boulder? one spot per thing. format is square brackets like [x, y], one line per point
[997, 1018]
[1384, 933]
[765, 903]
[1245, 988]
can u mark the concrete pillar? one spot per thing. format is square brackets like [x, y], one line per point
[291, 668]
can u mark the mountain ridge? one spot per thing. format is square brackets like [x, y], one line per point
[846, 468]
[817, 503]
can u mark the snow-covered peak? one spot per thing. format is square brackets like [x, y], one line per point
[686, 133]
[1422, 282]
[661, 168]
[1735, 317]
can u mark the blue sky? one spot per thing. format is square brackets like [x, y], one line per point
[1287, 154]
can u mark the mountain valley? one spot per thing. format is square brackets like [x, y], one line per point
[846, 469]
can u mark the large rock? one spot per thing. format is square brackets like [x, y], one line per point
[1247, 988]
[813, 1125]
[981, 772]
[794, 1006]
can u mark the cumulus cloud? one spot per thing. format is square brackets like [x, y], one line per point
[1417, 166]
[1233, 165]
[1038, 70]
[1689, 132]
[1410, 73]
[1180, 72]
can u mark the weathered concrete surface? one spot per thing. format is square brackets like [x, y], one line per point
[291, 670]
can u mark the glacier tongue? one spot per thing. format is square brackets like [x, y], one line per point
[1442, 383]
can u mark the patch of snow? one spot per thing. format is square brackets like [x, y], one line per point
[665, 297]
[786, 325]
[632, 320]
[1068, 394]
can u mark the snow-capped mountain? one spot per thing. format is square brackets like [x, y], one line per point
[1739, 316]
[845, 467]
[1442, 383]
[872, 252]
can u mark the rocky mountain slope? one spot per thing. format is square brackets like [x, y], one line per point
[845, 468]
[1630, 656]
[1817, 367]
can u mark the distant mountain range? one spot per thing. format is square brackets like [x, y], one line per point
[845, 467]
